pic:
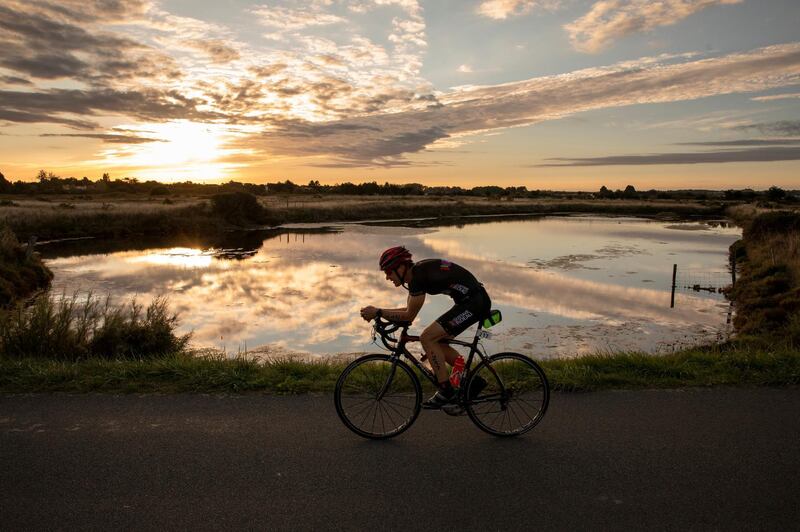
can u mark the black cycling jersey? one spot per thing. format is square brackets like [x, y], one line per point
[438, 276]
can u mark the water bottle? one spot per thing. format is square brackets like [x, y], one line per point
[458, 372]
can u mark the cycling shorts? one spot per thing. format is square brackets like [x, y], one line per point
[468, 312]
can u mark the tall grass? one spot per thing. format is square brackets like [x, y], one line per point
[75, 328]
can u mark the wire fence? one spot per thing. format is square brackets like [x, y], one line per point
[702, 280]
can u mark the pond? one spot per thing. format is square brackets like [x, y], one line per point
[566, 285]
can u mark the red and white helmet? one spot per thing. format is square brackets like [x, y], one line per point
[394, 257]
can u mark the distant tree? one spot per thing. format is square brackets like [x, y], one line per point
[42, 176]
[630, 192]
[5, 185]
[775, 194]
[106, 178]
[732, 194]
[605, 193]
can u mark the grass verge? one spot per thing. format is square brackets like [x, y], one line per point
[732, 365]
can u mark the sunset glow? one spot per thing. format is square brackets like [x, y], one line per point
[557, 94]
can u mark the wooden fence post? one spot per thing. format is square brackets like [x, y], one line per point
[672, 299]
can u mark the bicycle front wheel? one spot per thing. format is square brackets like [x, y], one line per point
[513, 395]
[377, 396]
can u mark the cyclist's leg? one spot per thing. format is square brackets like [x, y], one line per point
[430, 339]
[450, 354]
[449, 325]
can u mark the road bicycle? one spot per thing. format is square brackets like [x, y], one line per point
[380, 396]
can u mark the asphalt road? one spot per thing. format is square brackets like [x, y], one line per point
[724, 459]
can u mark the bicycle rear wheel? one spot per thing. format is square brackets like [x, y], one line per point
[514, 398]
[378, 397]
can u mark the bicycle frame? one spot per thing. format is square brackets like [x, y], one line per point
[399, 350]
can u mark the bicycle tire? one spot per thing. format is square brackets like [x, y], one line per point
[491, 412]
[357, 405]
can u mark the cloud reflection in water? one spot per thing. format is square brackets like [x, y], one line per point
[304, 294]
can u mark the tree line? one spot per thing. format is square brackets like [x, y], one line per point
[49, 183]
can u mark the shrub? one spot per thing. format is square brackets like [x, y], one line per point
[238, 208]
[126, 333]
[775, 222]
[72, 328]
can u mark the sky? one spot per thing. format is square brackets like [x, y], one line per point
[547, 94]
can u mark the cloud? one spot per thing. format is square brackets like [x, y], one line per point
[24, 117]
[344, 99]
[502, 9]
[765, 154]
[473, 110]
[304, 76]
[609, 20]
[744, 142]
[106, 137]
[53, 41]
[787, 96]
[287, 19]
[217, 50]
[150, 104]
[13, 80]
[781, 127]
[350, 144]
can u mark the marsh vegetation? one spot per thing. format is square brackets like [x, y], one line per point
[91, 344]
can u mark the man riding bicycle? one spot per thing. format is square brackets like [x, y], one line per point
[434, 276]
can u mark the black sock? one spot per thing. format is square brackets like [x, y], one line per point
[446, 388]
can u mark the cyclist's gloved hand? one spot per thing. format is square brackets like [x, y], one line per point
[369, 313]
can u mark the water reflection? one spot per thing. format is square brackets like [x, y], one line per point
[565, 285]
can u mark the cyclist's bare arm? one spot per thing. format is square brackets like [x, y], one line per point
[413, 305]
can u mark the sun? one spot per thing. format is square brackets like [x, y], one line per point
[182, 150]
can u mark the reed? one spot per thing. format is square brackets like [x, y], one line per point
[75, 328]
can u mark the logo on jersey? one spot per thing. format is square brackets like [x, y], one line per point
[459, 288]
[445, 265]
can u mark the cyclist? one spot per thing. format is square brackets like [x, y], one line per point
[434, 276]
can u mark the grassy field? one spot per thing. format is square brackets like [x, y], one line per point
[55, 217]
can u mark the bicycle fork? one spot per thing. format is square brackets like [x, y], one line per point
[388, 382]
